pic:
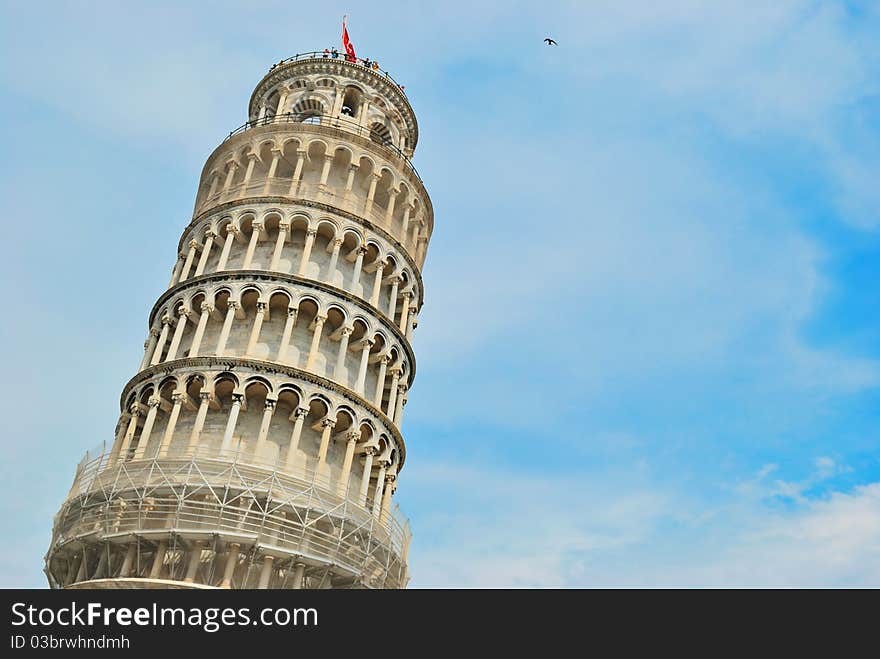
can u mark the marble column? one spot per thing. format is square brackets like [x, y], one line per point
[206, 251]
[231, 310]
[290, 323]
[182, 319]
[231, 234]
[352, 438]
[307, 252]
[356, 275]
[149, 348]
[226, 446]
[177, 398]
[366, 344]
[365, 477]
[255, 330]
[206, 310]
[206, 398]
[334, 258]
[318, 324]
[298, 417]
[345, 333]
[190, 257]
[276, 156]
[147, 430]
[283, 229]
[377, 284]
[256, 232]
[380, 382]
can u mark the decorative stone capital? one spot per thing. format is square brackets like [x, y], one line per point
[231, 229]
[232, 304]
[312, 232]
[194, 244]
[206, 307]
[206, 396]
[284, 226]
[299, 412]
[370, 450]
[353, 435]
[178, 397]
[257, 226]
[210, 234]
[337, 243]
[320, 320]
[237, 398]
[154, 332]
[270, 403]
[345, 331]
[153, 401]
[134, 409]
[166, 319]
[328, 423]
[386, 359]
[261, 307]
[183, 312]
[292, 312]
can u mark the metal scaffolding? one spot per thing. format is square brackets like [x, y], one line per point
[202, 504]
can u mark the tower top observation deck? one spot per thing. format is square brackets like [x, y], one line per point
[307, 84]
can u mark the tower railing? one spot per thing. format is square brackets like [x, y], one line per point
[342, 57]
[328, 121]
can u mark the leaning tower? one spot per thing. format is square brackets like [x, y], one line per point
[259, 443]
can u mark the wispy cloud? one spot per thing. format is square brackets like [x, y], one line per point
[496, 528]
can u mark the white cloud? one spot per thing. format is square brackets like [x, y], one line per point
[501, 528]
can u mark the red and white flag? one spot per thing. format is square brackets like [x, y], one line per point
[346, 43]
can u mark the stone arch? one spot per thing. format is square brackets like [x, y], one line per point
[309, 105]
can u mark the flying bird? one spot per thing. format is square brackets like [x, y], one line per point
[550, 42]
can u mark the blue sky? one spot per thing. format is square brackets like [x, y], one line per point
[650, 349]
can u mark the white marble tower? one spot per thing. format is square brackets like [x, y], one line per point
[259, 443]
